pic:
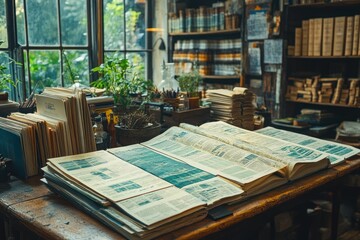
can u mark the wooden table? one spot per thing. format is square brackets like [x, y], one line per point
[29, 206]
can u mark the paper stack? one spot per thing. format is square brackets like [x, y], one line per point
[233, 106]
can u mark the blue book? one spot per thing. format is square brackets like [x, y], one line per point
[11, 147]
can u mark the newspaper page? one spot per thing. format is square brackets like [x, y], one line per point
[107, 175]
[211, 190]
[168, 203]
[216, 164]
[338, 152]
[294, 155]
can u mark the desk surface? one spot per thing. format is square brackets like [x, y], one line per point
[51, 217]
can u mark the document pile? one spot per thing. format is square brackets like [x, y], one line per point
[233, 106]
[61, 126]
[146, 190]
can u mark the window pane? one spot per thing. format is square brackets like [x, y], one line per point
[76, 65]
[45, 68]
[42, 22]
[3, 25]
[135, 25]
[113, 24]
[4, 67]
[73, 22]
[20, 22]
[138, 62]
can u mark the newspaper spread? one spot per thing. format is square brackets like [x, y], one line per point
[199, 183]
[105, 174]
[300, 160]
[120, 181]
[337, 152]
[244, 168]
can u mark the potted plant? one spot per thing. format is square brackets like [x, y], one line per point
[120, 80]
[136, 127]
[189, 83]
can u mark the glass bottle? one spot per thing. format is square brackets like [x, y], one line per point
[183, 102]
[100, 134]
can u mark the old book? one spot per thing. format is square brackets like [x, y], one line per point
[298, 45]
[328, 35]
[339, 36]
[356, 33]
[311, 37]
[300, 160]
[338, 89]
[305, 37]
[337, 152]
[318, 27]
[349, 35]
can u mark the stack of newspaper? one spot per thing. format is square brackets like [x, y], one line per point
[233, 106]
[61, 126]
[173, 180]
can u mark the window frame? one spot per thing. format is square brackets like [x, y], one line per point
[94, 47]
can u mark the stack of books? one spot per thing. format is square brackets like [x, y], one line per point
[233, 106]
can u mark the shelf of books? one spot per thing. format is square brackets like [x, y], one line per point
[320, 4]
[216, 32]
[208, 35]
[323, 54]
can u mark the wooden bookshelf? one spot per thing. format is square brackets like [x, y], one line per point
[326, 104]
[217, 32]
[335, 57]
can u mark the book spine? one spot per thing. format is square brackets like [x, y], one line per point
[311, 37]
[349, 35]
[305, 37]
[328, 34]
[339, 35]
[298, 41]
[318, 22]
[356, 35]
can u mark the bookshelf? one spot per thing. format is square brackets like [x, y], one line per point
[208, 33]
[323, 58]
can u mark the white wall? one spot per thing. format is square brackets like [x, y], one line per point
[160, 21]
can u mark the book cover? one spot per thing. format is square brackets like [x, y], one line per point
[327, 37]
[11, 147]
[349, 35]
[339, 36]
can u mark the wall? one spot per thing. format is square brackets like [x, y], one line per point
[160, 22]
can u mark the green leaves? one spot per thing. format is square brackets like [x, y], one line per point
[121, 80]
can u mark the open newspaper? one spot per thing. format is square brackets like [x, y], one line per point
[300, 161]
[255, 174]
[142, 193]
[337, 152]
[207, 187]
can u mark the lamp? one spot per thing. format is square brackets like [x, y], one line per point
[162, 46]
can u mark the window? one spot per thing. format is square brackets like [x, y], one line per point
[124, 30]
[57, 41]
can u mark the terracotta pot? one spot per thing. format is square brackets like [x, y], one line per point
[131, 136]
[194, 102]
[4, 96]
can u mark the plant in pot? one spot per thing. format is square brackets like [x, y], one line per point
[189, 82]
[122, 81]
